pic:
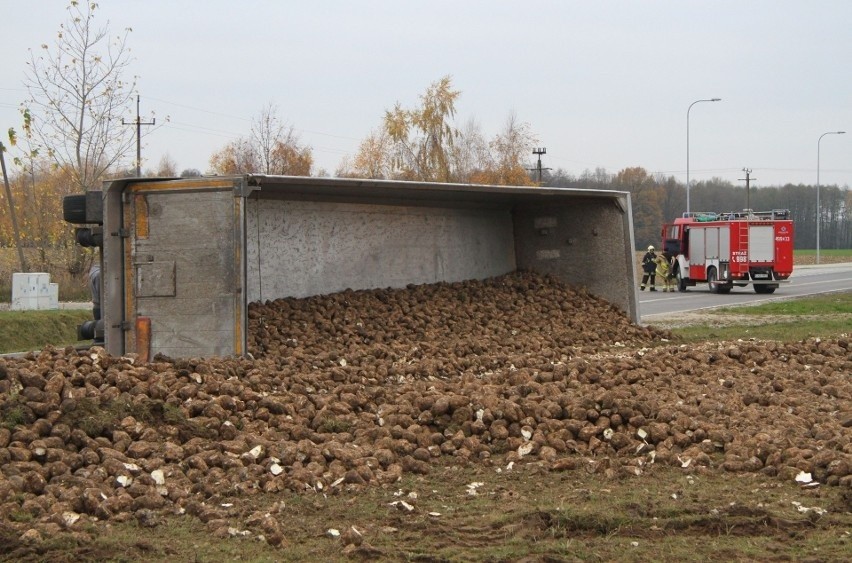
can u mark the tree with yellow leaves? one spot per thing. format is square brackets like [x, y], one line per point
[373, 159]
[423, 144]
[423, 137]
[506, 157]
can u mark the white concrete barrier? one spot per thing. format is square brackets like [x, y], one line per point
[33, 291]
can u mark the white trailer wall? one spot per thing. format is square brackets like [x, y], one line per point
[304, 248]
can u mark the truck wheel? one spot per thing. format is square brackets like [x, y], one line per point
[74, 209]
[712, 280]
[681, 283]
[761, 288]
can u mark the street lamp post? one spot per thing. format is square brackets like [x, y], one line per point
[818, 214]
[687, 144]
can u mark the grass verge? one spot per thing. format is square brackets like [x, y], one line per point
[824, 316]
[824, 304]
[830, 254]
[21, 331]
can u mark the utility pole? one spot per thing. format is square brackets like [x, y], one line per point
[139, 123]
[748, 193]
[538, 168]
[15, 231]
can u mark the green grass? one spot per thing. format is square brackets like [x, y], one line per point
[826, 252]
[825, 304]
[789, 330]
[824, 316]
[22, 331]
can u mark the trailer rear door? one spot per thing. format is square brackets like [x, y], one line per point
[183, 293]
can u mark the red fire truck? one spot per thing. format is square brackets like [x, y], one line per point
[728, 249]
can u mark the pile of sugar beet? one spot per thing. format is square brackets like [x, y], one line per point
[358, 388]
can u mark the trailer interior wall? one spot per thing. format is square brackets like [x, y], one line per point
[588, 242]
[304, 248]
[299, 248]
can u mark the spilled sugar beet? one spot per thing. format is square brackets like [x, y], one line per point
[359, 388]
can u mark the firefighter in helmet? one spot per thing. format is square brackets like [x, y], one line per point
[649, 269]
[664, 272]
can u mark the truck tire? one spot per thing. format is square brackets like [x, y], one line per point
[681, 283]
[764, 288]
[712, 280]
[74, 209]
[715, 285]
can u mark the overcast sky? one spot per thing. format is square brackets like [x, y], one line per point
[601, 83]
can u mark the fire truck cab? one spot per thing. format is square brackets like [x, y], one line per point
[728, 249]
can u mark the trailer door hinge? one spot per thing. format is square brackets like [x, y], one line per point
[123, 325]
[122, 232]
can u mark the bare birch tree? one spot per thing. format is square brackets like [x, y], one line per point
[77, 95]
[272, 147]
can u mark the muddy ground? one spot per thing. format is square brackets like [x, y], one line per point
[362, 391]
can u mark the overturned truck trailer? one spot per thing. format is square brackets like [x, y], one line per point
[183, 258]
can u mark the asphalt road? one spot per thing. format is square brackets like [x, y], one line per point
[806, 280]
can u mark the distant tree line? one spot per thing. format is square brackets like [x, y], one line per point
[657, 200]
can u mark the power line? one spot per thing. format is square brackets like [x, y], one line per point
[199, 109]
[195, 108]
[188, 127]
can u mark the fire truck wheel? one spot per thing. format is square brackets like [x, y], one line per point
[760, 288]
[712, 280]
[681, 283]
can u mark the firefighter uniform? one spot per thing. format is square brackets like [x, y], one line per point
[649, 269]
[664, 272]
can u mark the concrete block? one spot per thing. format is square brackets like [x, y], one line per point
[53, 296]
[33, 291]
